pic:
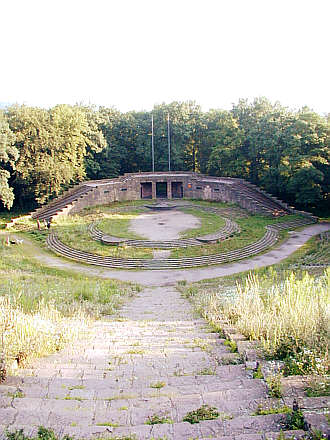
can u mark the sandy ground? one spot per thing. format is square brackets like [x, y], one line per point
[164, 225]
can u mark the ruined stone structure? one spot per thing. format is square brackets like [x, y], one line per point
[163, 185]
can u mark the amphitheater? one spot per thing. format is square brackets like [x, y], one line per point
[170, 190]
[146, 373]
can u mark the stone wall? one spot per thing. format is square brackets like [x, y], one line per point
[192, 186]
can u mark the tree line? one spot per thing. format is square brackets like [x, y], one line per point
[45, 151]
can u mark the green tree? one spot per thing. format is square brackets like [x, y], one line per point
[52, 145]
[305, 186]
[8, 157]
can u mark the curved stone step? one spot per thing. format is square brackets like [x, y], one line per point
[266, 241]
[227, 231]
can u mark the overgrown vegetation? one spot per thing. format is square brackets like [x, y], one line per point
[284, 311]
[205, 412]
[43, 308]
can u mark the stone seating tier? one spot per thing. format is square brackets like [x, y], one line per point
[261, 245]
[52, 209]
[269, 239]
[227, 231]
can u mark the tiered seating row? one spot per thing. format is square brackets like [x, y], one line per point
[321, 258]
[265, 242]
[228, 230]
[59, 204]
[263, 201]
[294, 223]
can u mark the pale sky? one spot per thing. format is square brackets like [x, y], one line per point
[131, 54]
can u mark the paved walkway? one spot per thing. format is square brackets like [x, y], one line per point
[159, 360]
[164, 277]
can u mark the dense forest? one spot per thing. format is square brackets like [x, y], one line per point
[44, 151]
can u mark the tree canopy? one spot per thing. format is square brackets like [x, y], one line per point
[44, 151]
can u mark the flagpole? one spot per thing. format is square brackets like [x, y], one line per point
[152, 144]
[169, 141]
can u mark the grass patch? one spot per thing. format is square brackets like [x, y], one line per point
[210, 223]
[73, 231]
[117, 224]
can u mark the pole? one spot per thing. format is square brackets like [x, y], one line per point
[152, 144]
[169, 141]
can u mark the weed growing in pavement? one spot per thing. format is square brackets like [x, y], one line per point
[200, 343]
[237, 360]
[80, 399]
[156, 419]
[112, 424]
[205, 412]
[16, 395]
[274, 386]
[157, 385]
[231, 345]
[257, 374]
[43, 434]
[76, 387]
[206, 372]
[122, 397]
[135, 351]
[295, 420]
[261, 411]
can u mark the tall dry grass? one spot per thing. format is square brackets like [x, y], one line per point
[289, 317]
[25, 336]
